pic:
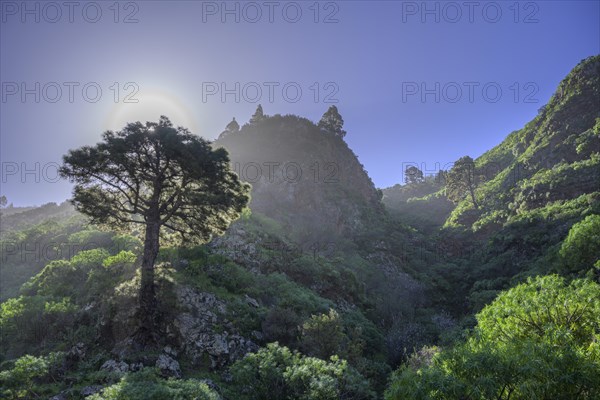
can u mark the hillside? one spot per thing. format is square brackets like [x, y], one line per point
[533, 187]
[308, 249]
[551, 161]
[325, 285]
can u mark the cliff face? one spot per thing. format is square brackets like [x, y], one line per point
[305, 178]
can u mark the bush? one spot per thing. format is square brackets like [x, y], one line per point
[281, 325]
[277, 373]
[147, 385]
[581, 249]
[31, 323]
[323, 335]
[538, 340]
[25, 379]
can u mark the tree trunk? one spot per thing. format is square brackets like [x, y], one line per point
[471, 184]
[147, 332]
[472, 191]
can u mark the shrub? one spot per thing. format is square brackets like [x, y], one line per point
[281, 325]
[277, 373]
[29, 323]
[323, 335]
[538, 340]
[147, 385]
[24, 380]
[581, 249]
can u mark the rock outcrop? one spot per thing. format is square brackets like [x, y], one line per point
[205, 334]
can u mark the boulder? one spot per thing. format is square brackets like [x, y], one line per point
[116, 367]
[90, 390]
[168, 366]
[200, 330]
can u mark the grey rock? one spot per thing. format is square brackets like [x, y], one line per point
[251, 301]
[200, 330]
[90, 390]
[168, 366]
[133, 367]
[117, 367]
[77, 351]
[227, 377]
[211, 384]
[257, 335]
[170, 351]
[74, 355]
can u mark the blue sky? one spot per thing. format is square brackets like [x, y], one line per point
[416, 82]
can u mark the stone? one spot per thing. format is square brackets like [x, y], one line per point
[200, 331]
[168, 366]
[211, 384]
[170, 351]
[116, 367]
[251, 301]
[258, 335]
[74, 355]
[90, 390]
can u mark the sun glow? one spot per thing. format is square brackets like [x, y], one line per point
[150, 105]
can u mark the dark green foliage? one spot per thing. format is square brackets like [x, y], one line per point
[258, 115]
[413, 175]
[323, 335]
[399, 283]
[462, 180]
[24, 252]
[147, 385]
[581, 248]
[163, 180]
[32, 324]
[295, 169]
[282, 325]
[535, 341]
[332, 122]
[31, 377]
[232, 128]
[422, 204]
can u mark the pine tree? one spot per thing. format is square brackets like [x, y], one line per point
[332, 122]
[413, 175]
[258, 115]
[232, 127]
[163, 179]
[462, 179]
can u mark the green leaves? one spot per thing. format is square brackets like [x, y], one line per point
[156, 171]
[538, 340]
[581, 249]
[461, 180]
[544, 309]
[277, 373]
[147, 385]
[332, 122]
[19, 382]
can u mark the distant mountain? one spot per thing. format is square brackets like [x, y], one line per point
[18, 218]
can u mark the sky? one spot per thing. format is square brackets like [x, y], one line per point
[420, 83]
